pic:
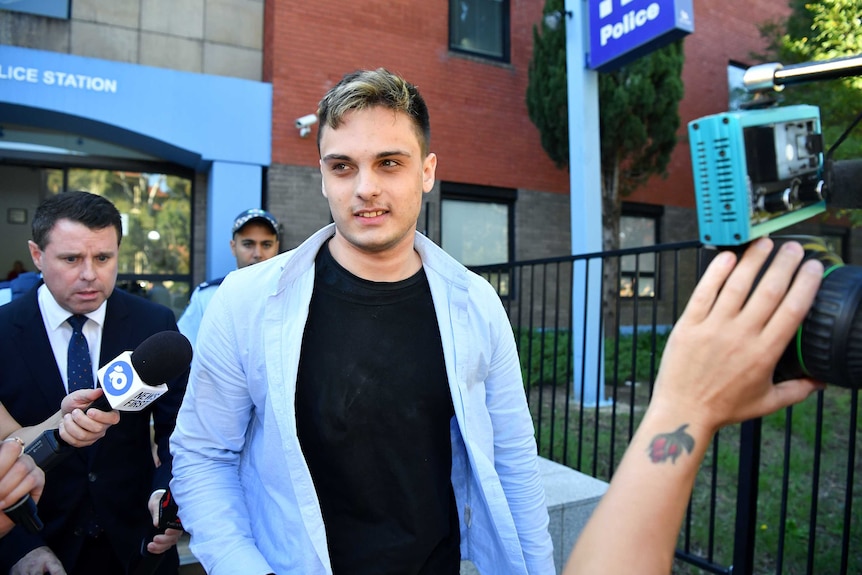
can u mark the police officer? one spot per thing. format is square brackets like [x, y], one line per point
[254, 239]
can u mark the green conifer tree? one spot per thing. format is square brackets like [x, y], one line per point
[824, 30]
[638, 106]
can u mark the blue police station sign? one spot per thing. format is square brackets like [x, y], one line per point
[623, 30]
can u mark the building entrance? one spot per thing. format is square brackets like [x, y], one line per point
[154, 200]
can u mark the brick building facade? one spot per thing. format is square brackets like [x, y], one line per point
[488, 149]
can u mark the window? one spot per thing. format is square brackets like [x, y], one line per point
[480, 27]
[476, 226]
[639, 227]
[152, 196]
[155, 251]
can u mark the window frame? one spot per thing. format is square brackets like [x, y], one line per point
[128, 281]
[486, 195]
[505, 33]
[647, 212]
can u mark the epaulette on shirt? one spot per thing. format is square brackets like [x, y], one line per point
[211, 283]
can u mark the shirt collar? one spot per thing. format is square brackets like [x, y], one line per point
[54, 315]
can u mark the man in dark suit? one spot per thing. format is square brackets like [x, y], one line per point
[99, 503]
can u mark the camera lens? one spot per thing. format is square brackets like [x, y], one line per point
[828, 344]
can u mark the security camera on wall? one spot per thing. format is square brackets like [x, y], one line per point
[305, 123]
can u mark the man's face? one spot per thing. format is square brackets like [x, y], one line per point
[78, 265]
[253, 243]
[374, 176]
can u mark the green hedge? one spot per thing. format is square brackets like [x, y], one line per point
[546, 356]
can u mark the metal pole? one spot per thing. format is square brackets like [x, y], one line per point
[746, 497]
[585, 193]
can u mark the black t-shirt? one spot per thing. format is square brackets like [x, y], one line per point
[373, 412]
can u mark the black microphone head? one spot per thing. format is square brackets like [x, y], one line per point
[844, 184]
[162, 357]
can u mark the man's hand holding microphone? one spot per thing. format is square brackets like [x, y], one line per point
[82, 425]
[86, 415]
[77, 426]
[19, 478]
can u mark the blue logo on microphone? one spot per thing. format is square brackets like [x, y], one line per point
[118, 378]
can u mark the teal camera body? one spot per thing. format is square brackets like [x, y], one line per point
[756, 172]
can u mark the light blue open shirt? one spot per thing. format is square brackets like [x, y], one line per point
[242, 484]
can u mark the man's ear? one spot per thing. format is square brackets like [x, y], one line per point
[322, 181]
[429, 170]
[35, 254]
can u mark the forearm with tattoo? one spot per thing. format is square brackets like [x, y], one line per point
[671, 445]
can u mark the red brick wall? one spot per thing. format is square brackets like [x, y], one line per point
[480, 127]
[723, 31]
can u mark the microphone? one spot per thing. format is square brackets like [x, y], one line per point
[844, 184]
[23, 512]
[130, 382]
[167, 519]
[774, 75]
[135, 379]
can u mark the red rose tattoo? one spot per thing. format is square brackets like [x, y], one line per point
[670, 445]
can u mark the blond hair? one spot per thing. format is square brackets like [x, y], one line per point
[366, 88]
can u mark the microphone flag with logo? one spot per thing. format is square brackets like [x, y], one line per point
[135, 379]
[130, 382]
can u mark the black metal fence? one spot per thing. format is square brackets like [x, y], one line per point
[774, 495]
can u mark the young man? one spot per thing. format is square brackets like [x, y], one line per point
[99, 504]
[254, 239]
[716, 370]
[356, 404]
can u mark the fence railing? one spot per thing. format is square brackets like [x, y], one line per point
[774, 495]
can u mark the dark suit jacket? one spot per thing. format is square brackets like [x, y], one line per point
[110, 482]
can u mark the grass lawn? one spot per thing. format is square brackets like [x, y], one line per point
[810, 497]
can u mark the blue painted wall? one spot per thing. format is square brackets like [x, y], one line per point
[194, 120]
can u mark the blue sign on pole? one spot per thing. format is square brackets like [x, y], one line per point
[623, 30]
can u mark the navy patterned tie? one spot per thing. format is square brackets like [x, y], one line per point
[79, 366]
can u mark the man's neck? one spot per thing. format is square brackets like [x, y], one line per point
[392, 265]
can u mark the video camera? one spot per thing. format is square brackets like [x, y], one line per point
[759, 170]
